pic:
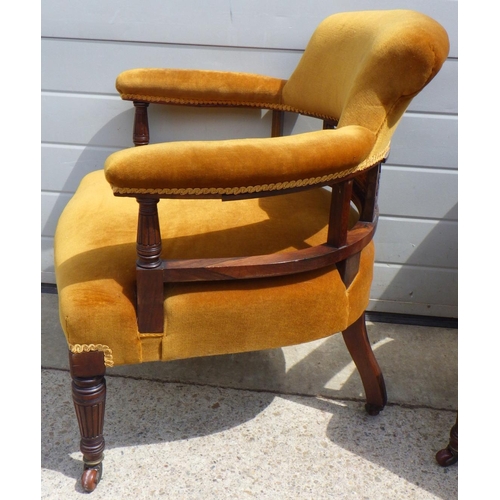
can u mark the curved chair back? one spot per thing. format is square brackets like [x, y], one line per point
[367, 67]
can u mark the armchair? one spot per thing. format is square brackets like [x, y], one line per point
[197, 248]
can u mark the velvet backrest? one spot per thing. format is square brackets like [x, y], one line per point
[364, 68]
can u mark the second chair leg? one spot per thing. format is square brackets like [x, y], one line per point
[89, 396]
[449, 455]
[358, 344]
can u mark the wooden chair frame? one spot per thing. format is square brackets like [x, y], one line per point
[343, 247]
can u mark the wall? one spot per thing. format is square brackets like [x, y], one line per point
[85, 45]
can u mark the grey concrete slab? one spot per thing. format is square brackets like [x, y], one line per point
[420, 364]
[178, 441]
[281, 424]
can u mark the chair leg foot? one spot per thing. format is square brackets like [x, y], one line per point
[358, 344]
[89, 397]
[373, 410]
[449, 455]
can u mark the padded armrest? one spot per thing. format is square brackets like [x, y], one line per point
[185, 86]
[239, 166]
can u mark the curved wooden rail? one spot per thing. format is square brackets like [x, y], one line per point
[264, 266]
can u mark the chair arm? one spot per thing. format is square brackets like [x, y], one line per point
[200, 87]
[239, 166]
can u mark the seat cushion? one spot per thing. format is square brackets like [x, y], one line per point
[95, 272]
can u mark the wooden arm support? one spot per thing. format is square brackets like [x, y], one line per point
[343, 246]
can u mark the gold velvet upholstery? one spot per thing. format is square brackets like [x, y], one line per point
[201, 87]
[239, 166]
[96, 275]
[360, 69]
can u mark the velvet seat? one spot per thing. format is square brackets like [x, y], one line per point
[196, 248]
[99, 270]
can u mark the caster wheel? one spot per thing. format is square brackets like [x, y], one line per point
[446, 457]
[91, 477]
[373, 410]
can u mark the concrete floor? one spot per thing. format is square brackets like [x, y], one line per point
[280, 424]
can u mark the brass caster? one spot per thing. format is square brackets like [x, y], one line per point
[91, 476]
[447, 457]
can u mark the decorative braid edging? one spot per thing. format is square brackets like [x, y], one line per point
[279, 186]
[108, 354]
[208, 102]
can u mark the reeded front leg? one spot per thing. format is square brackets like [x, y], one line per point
[449, 455]
[89, 396]
[358, 344]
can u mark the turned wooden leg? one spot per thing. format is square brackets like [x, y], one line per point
[449, 455]
[358, 344]
[89, 395]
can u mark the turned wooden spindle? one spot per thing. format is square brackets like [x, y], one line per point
[149, 269]
[329, 124]
[141, 125]
[339, 213]
[148, 234]
[338, 228]
[277, 123]
[371, 194]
